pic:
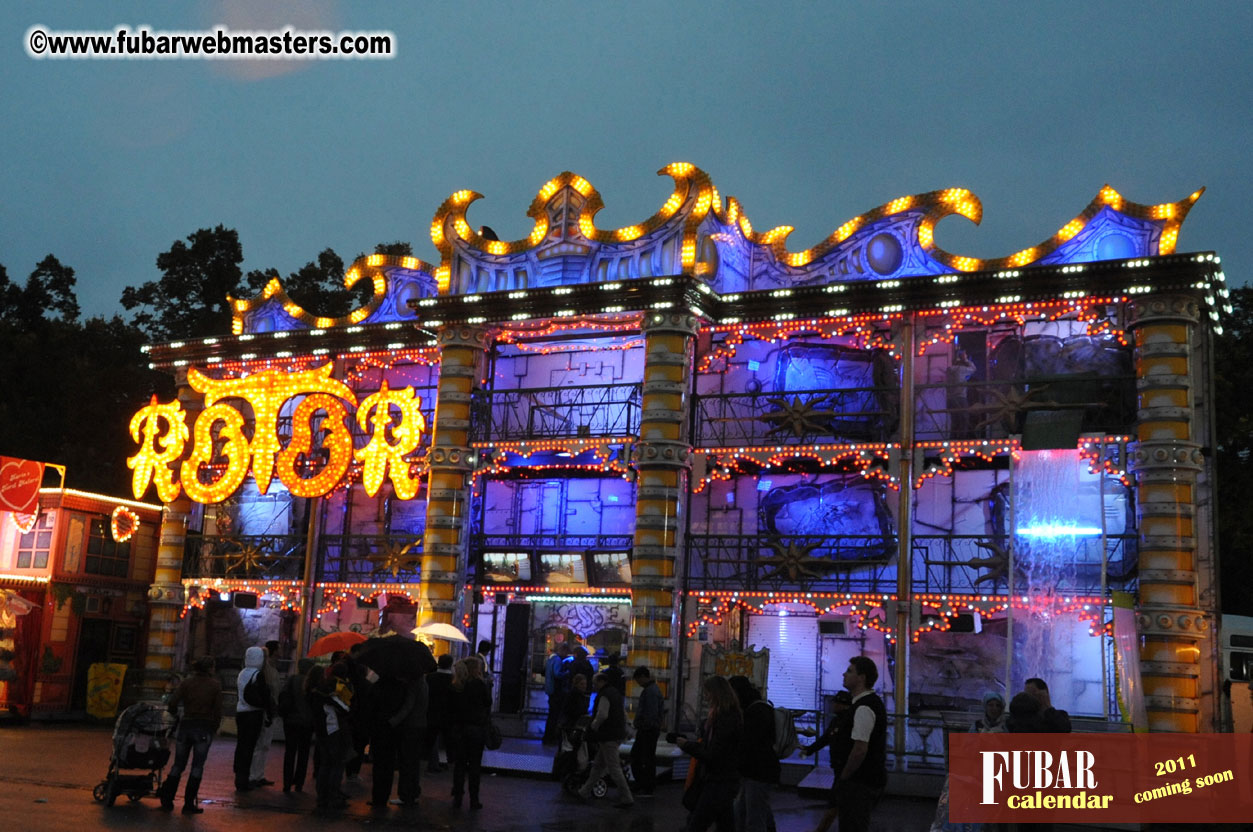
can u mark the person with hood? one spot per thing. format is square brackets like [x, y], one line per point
[262, 752]
[200, 697]
[250, 717]
[759, 767]
[294, 708]
[993, 721]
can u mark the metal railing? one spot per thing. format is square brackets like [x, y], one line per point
[978, 563]
[556, 413]
[996, 409]
[795, 417]
[264, 557]
[370, 558]
[844, 563]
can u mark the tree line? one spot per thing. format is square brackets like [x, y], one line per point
[71, 385]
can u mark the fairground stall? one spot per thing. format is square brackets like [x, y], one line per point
[681, 442]
[74, 576]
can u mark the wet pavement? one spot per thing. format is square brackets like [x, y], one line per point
[47, 773]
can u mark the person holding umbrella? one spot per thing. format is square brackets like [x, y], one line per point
[397, 713]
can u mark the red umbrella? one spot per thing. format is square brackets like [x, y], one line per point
[331, 642]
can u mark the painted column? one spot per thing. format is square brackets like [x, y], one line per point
[165, 596]
[662, 458]
[461, 360]
[1166, 462]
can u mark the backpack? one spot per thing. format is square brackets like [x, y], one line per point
[256, 693]
[785, 741]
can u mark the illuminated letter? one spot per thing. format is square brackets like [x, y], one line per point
[379, 455]
[338, 443]
[158, 448]
[266, 391]
[235, 451]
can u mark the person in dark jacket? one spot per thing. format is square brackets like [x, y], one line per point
[200, 697]
[759, 767]
[580, 665]
[717, 754]
[609, 730]
[649, 713]
[840, 705]
[617, 677]
[397, 728]
[359, 713]
[556, 688]
[333, 697]
[297, 714]
[1058, 721]
[469, 709]
[438, 684]
[409, 724]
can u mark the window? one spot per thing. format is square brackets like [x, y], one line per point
[105, 556]
[33, 546]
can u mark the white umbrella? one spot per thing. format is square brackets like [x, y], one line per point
[438, 629]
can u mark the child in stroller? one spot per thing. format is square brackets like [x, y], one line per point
[142, 739]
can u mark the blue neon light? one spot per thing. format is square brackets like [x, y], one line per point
[1053, 530]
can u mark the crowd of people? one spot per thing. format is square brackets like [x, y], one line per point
[331, 714]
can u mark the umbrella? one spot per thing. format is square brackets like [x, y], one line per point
[397, 657]
[335, 641]
[16, 603]
[437, 629]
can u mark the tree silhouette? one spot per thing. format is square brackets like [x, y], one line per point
[189, 300]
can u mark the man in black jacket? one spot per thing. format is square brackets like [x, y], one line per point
[200, 697]
[1058, 721]
[649, 714]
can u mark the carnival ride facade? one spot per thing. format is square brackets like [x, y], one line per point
[668, 438]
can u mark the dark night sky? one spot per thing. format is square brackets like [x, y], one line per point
[809, 113]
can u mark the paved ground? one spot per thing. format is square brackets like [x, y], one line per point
[47, 773]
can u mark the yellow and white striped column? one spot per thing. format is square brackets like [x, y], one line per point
[461, 361]
[165, 596]
[1166, 462]
[662, 459]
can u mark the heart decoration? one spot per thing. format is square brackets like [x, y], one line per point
[19, 484]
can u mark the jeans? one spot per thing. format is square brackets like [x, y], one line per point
[644, 759]
[194, 741]
[752, 807]
[296, 754]
[247, 729]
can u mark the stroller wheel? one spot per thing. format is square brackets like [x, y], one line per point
[100, 791]
[135, 797]
[600, 788]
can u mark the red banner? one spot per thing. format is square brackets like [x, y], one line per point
[19, 484]
[1101, 778]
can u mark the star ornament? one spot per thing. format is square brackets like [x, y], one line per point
[248, 559]
[792, 560]
[395, 558]
[799, 415]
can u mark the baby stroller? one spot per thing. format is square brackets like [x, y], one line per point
[143, 737]
[573, 763]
